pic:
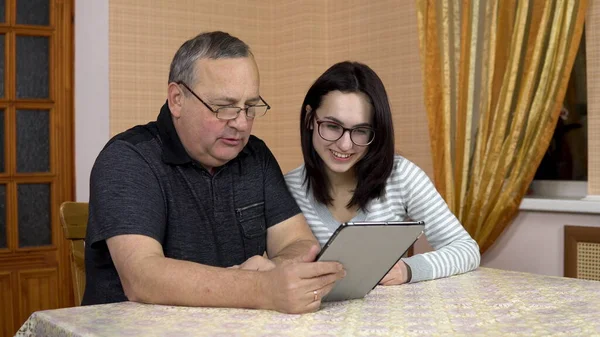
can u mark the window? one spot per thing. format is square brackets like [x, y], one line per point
[563, 171]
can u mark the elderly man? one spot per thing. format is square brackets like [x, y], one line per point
[185, 210]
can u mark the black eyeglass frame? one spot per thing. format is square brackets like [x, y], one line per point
[216, 111]
[320, 121]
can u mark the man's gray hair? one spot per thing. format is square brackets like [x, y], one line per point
[211, 45]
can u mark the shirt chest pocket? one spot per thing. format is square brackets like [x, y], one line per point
[252, 223]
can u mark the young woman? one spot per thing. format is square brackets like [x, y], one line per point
[351, 173]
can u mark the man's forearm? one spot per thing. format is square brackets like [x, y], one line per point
[161, 280]
[294, 250]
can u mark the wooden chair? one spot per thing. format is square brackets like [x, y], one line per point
[74, 218]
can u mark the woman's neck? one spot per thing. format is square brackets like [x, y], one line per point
[341, 189]
[341, 182]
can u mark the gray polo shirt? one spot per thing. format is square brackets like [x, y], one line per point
[144, 182]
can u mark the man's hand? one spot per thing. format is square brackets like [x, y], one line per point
[297, 286]
[257, 262]
[398, 275]
[289, 239]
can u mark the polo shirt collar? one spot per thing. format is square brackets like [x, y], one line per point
[173, 151]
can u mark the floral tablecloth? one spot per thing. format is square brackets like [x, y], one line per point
[486, 302]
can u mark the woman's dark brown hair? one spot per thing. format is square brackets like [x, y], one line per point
[373, 170]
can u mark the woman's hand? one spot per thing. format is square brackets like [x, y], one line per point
[398, 275]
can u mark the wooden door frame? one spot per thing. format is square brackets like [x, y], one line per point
[61, 160]
[65, 124]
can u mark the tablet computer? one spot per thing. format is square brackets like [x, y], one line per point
[367, 250]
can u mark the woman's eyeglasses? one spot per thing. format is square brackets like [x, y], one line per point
[332, 131]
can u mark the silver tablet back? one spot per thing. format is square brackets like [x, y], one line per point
[367, 251]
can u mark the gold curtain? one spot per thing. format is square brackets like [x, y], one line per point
[495, 74]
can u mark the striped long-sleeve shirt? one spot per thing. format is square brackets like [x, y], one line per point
[409, 195]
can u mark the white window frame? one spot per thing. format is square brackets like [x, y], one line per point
[561, 196]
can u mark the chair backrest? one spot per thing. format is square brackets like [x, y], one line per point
[582, 252]
[74, 218]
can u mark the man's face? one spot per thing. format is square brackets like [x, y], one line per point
[220, 83]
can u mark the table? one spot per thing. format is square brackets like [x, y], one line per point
[485, 302]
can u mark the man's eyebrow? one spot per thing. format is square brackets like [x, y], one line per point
[342, 123]
[230, 100]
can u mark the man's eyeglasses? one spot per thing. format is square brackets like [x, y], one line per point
[231, 112]
[332, 131]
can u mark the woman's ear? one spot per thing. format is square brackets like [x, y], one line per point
[309, 116]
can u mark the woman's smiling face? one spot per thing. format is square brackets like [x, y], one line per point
[349, 110]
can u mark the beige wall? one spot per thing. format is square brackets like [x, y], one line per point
[299, 57]
[384, 35]
[293, 41]
[592, 31]
[534, 242]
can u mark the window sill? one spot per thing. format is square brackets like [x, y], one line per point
[587, 205]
